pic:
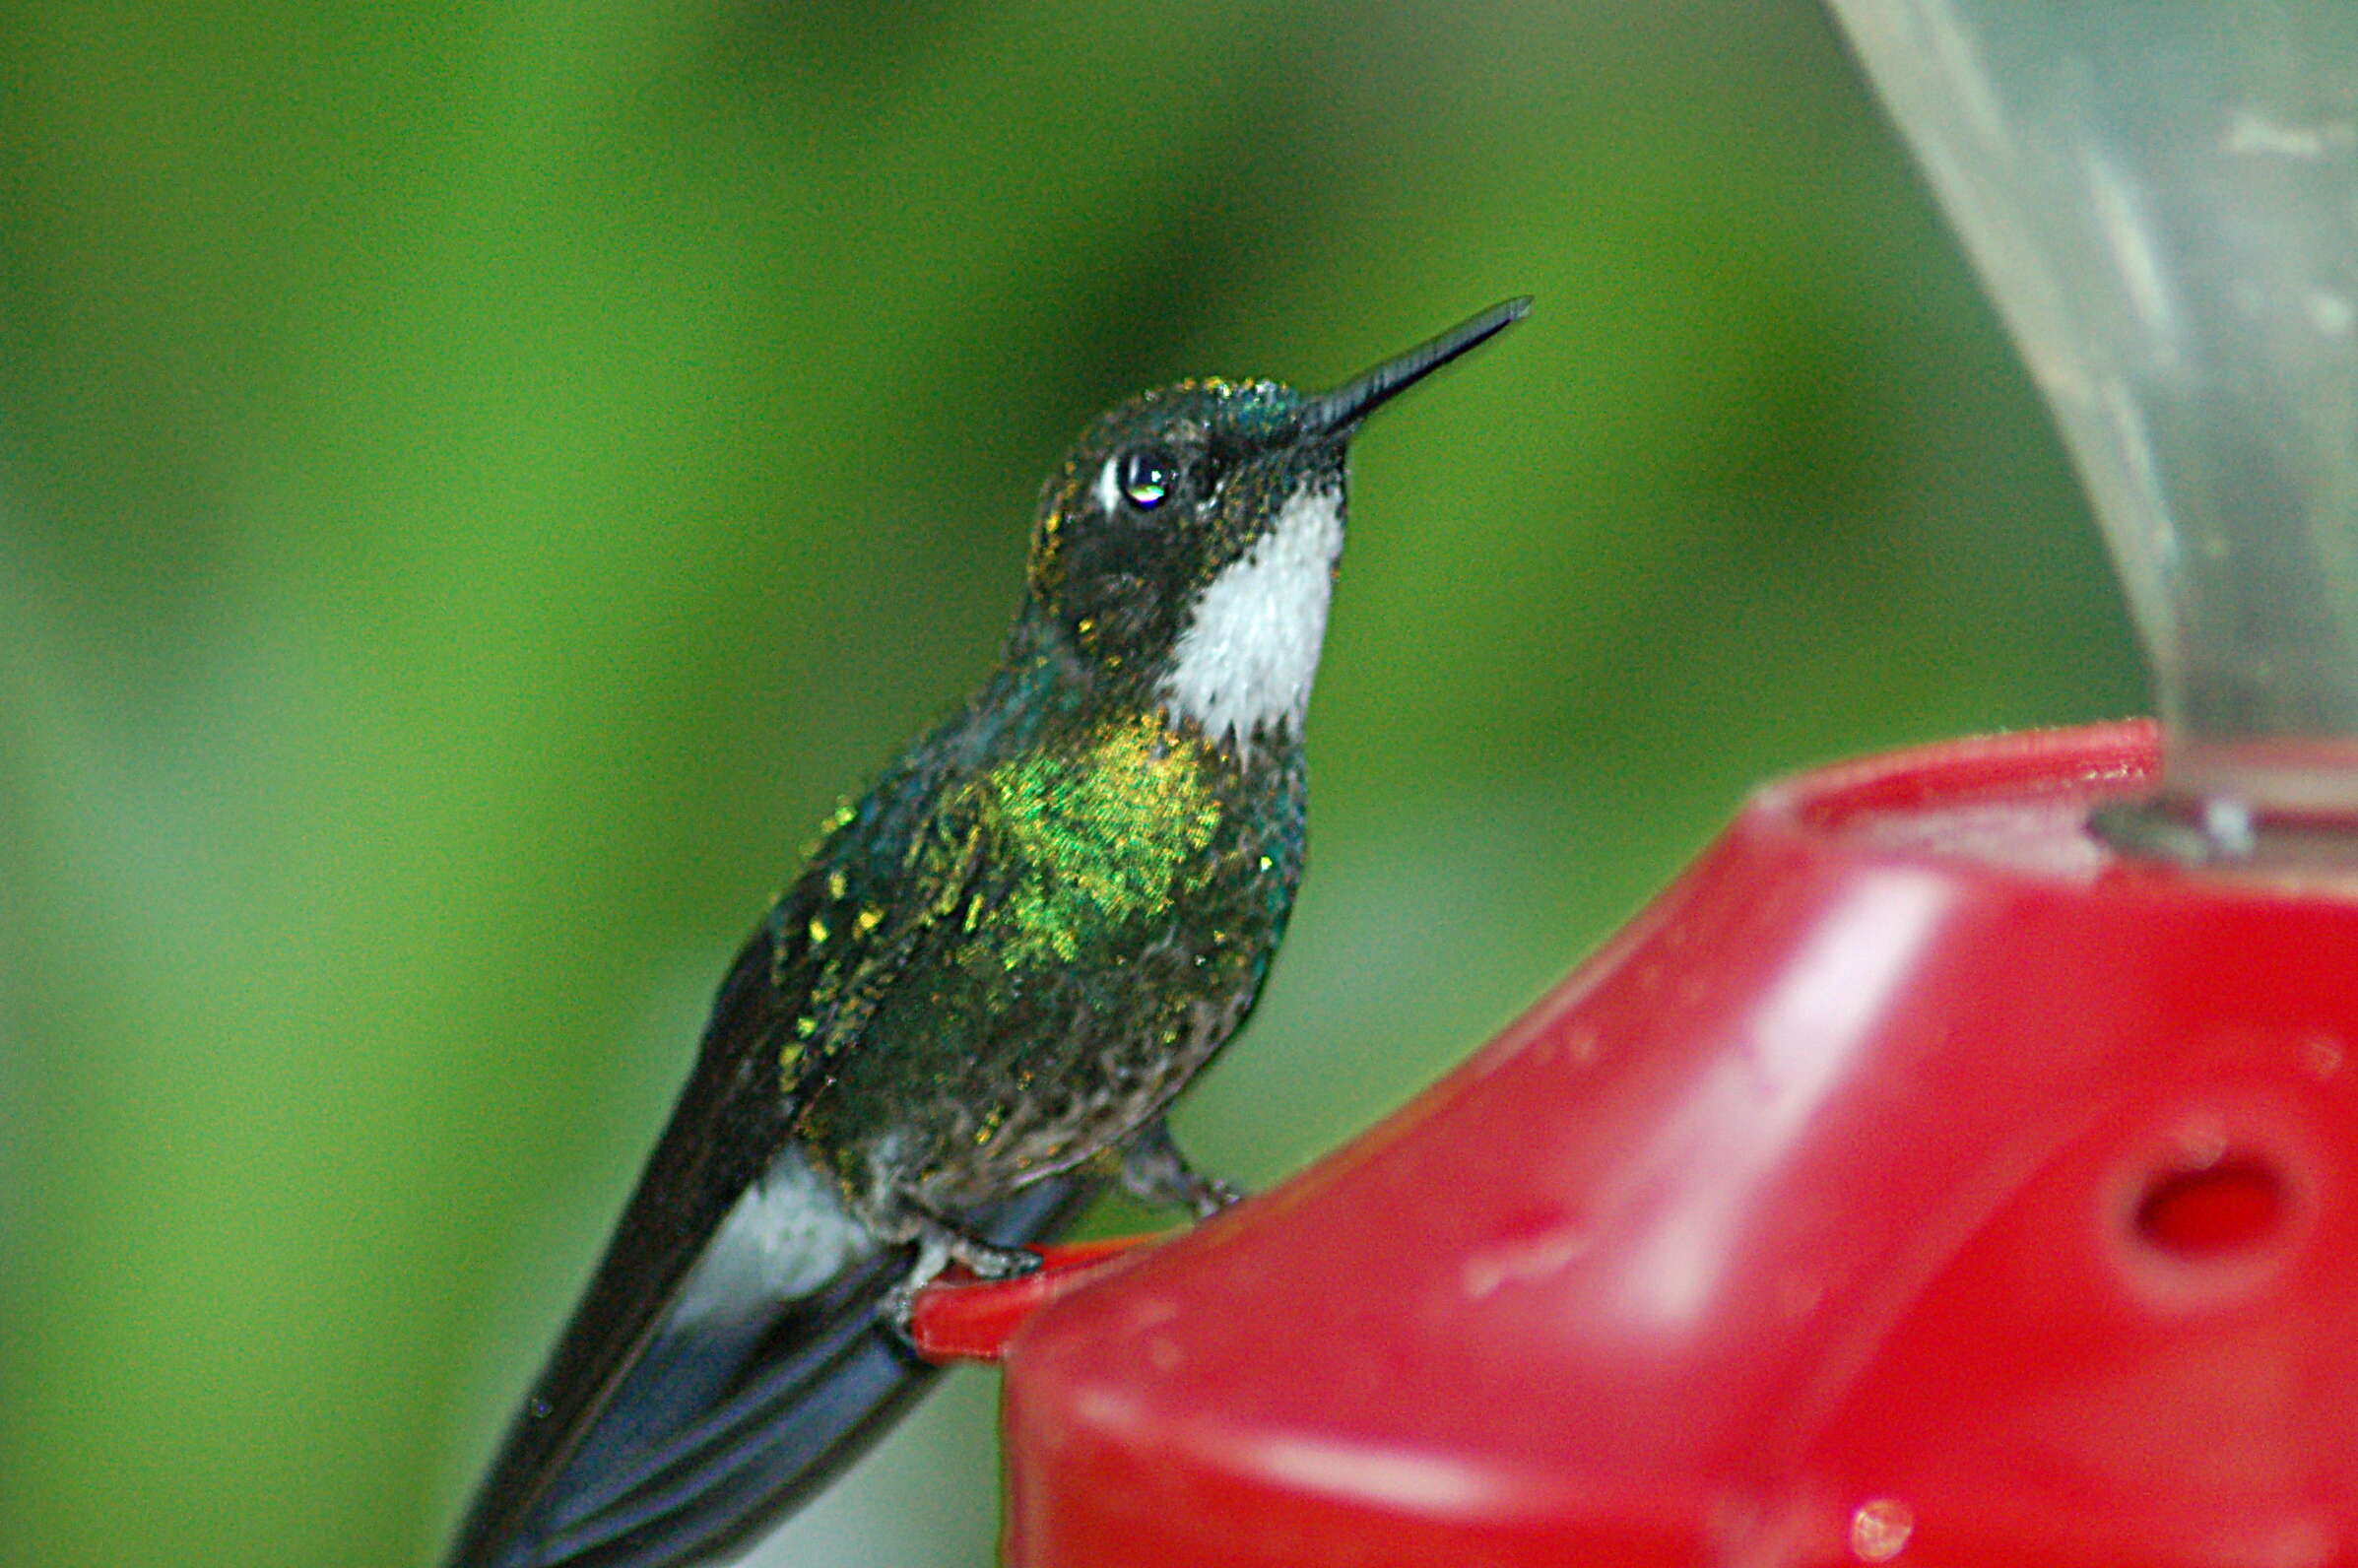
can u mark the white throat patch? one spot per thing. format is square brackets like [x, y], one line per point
[1247, 657]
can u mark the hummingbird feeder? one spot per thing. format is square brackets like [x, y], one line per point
[1959, 1163]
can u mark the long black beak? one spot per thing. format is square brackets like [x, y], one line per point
[1337, 410]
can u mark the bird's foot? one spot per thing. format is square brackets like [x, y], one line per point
[1156, 1172]
[939, 1245]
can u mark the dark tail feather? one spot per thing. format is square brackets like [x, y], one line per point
[710, 1439]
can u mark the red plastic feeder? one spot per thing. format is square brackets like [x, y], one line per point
[1915, 1181]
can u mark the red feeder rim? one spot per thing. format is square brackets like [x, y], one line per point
[1915, 1180]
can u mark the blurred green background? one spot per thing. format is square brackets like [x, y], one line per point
[478, 482]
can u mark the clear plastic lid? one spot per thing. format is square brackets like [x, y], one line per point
[2162, 196]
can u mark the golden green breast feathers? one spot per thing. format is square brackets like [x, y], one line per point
[1108, 833]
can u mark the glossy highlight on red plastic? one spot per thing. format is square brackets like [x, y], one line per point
[1916, 1181]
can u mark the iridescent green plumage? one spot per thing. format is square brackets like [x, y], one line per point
[1048, 919]
[979, 997]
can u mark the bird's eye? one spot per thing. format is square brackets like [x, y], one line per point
[1146, 477]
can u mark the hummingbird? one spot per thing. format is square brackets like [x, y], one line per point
[979, 998]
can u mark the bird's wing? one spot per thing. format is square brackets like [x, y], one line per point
[765, 1421]
[726, 1123]
[658, 1436]
[945, 869]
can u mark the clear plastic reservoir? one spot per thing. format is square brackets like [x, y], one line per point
[2162, 197]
